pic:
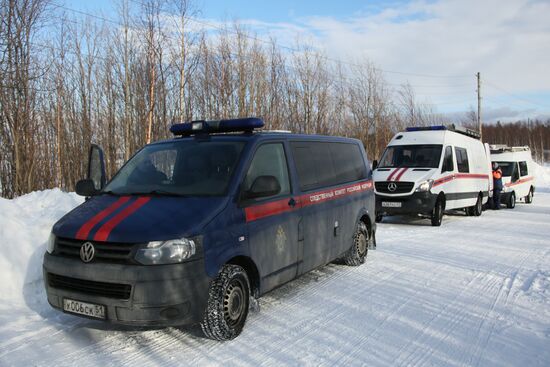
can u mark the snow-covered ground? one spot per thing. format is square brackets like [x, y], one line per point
[473, 292]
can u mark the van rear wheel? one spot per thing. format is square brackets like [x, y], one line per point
[478, 208]
[228, 301]
[357, 253]
[529, 197]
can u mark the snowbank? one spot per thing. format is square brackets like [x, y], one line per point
[25, 224]
[543, 175]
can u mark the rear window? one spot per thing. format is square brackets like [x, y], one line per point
[325, 164]
[462, 160]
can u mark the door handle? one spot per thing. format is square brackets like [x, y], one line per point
[292, 202]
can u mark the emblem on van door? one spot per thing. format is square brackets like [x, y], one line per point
[280, 240]
[87, 252]
[392, 186]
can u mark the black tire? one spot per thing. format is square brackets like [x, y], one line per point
[378, 218]
[357, 253]
[478, 208]
[529, 197]
[228, 301]
[511, 204]
[437, 213]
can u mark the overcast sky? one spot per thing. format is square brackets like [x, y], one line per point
[436, 46]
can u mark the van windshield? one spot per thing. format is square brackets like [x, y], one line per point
[507, 168]
[182, 168]
[427, 156]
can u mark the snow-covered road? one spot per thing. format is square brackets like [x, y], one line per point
[473, 292]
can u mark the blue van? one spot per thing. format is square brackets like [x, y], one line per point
[194, 229]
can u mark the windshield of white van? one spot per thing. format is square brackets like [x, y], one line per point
[426, 156]
[507, 168]
[183, 168]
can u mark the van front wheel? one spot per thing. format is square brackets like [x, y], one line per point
[228, 300]
[358, 251]
[511, 204]
[437, 213]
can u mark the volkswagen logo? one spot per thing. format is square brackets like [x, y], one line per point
[392, 186]
[87, 252]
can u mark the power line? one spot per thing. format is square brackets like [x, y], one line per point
[515, 96]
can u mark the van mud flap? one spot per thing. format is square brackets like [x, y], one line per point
[372, 241]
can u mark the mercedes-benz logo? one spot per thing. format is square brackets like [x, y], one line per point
[87, 252]
[392, 186]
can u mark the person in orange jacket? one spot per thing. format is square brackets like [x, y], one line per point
[497, 185]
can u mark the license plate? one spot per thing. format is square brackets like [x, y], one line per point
[391, 204]
[83, 308]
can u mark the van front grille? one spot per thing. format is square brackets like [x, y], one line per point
[400, 187]
[110, 290]
[121, 253]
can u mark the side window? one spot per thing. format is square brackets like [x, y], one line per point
[348, 162]
[269, 160]
[448, 165]
[462, 160]
[313, 164]
[523, 171]
[515, 172]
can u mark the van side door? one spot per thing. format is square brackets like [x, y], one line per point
[466, 190]
[315, 174]
[272, 215]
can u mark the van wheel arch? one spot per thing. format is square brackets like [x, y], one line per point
[251, 270]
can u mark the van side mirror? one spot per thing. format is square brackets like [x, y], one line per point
[263, 186]
[374, 164]
[85, 188]
[96, 167]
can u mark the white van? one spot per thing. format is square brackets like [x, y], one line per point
[517, 168]
[427, 170]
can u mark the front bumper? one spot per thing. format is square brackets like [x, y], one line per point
[160, 295]
[416, 203]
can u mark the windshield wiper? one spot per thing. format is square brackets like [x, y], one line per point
[157, 192]
[109, 192]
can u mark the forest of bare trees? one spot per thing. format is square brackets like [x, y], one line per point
[67, 80]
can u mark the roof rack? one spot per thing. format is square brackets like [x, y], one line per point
[198, 127]
[501, 148]
[457, 129]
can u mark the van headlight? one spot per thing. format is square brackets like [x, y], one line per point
[51, 243]
[166, 252]
[425, 186]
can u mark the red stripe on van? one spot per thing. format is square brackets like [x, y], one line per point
[105, 230]
[84, 231]
[392, 174]
[398, 177]
[442, 180]
[523, 180]
[260, 211]
[266, 210]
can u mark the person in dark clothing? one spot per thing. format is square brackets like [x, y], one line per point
[497, 185]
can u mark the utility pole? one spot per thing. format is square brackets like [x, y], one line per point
[479, 105]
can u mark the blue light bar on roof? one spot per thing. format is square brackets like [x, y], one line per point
[218, 126]
[426, 128]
